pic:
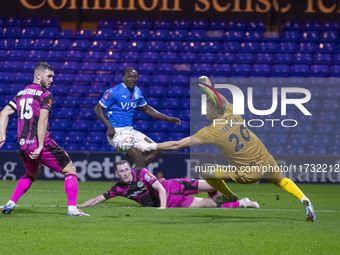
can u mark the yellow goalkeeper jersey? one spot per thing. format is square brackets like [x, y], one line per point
[239, 145]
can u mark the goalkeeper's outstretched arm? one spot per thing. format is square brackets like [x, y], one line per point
[93, 201]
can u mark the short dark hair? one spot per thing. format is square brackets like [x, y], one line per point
[121, 162]
[129, 69]
[43, 66]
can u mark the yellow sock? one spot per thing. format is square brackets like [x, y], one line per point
[220, 185]
[291, 187]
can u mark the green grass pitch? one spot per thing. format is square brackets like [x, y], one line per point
[39, 224]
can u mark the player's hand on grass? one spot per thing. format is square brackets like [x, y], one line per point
[2, 140]
[35, 154]
[174, 120]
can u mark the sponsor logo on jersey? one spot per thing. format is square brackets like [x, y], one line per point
[140, 184]
[50, 102]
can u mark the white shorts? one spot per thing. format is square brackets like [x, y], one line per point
[136, 134]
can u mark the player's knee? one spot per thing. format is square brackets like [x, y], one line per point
[209, 203]
[69, 169]
[205, 173]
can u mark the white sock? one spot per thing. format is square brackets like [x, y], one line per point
[242, 203]
[72, 208]
[10, 204]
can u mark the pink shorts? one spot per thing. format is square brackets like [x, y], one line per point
[179, 191]
[52, 156]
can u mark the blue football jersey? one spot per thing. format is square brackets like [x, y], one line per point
[121, 104]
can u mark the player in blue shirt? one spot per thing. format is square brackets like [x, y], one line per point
[121, 102]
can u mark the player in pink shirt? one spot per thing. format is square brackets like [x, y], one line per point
[36, 146]
[144, 188]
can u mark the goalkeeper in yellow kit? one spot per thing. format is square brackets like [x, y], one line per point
[244, 151]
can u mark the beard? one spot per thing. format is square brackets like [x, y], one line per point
[43, 84]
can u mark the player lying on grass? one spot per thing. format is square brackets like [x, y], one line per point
[240, 147]
[36, 146]
[144, 188]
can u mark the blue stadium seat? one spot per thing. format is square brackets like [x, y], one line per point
[37, 55]
[155, 46]
[291, 25]
[310, 25]
[55, 55]
[290, 36]
[161, 80]
[99, 45]
[73, 55]
[322, 58]
[319, 70]
[329, 36]
[244, 58]
[187, 57]
[260, 70]
[191, 46]
[70, 66]
[43, 44]
[160, 34]
[12, 66]
[310, 36]
[302, 58]
[211, 47]
[287, 47]
[93, 55]
[106, 67]
[117, 45]
[110, 55]
[241, 70]
[48, 32]
[65, 78]
[62, 44]
[81, 44]
[170, 103]
[280, 70]
[125, 24]
[64, 34]
[295, 149]
[89, 102]
[162, 24]
[180, 69]
[199, 69]
[173, 46]
[256, 26]
[164, 68]
[32, 22]
[11, 32]
[178, 34]
[222, 69]
[169, 57]
[196, 35]
[233, 35]
[84, 78]
[83, 34]
[50, 22]
[107, 23]
[6, 44]
[10, 146]
[135, 46]
[176, 91]
[199, 24]
[141, 34]
[104, 79]
[181, 24]
[325, 47]
[225, 58]
[237, 25]
[144, 23]
[60, 124]
[106, 34]
[263, 58]
[306, 47]
[330, 25]
[75, 136]
[80, 125]
[300, 70]
[30, 32]
[96, 137]
[23, 78]
[206, 57]
[217, 25]
[180, 80]
[334, 71]
[249, 47]
[69, 146]
[149, 56]
[231, 46]
[131, 56]
[253, 36]
[268, 47]
[90, 147]
[156, 91]
[12, 21]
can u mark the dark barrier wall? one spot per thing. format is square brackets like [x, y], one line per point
[99, 166]
[95, 10]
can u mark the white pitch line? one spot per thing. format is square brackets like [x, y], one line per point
[241, 209]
